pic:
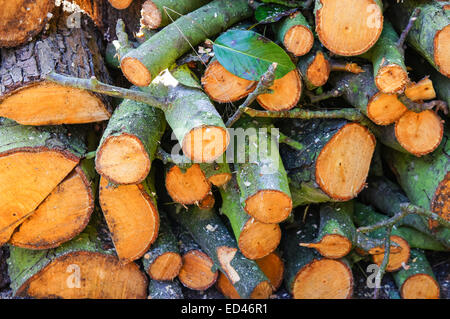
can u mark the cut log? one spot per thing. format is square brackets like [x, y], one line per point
[142, 65]
[223, 86]
[329, 167]
[430, 33]
[417, 281]
[195, 122]
[295, 33]
[364, 216]
[78, 269]
[197, 272]
[359, 91]
[261, 175]
[132, 234]
[159, 13]
[271, 265]
[387, 197]
[336, 232]
[120, 4]
[388, 62]
[308, 275]
[314, 67]
[28, 98]
[21, 20]
[33, 161]
[63, 214]
[255, 239]
[129, 143]
[286, 93]
[422, 90]
[214, 238]
[164, 290]
[348, 27]
[163, 260]
[425, 180]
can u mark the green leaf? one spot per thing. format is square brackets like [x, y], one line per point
[287, 3]
[248, 55]
[269, 13]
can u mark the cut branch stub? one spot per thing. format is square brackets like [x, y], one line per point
[315, 67]
[31, 100]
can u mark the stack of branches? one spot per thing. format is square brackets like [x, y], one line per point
[313, 141]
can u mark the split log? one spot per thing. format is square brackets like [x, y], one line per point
[337, 231]
[359, 91]
[197, 271]
[295, 33]
[163, 260]
[129, 143]
[308, 275]
[140, 66]
[133, 233]
[261, 176]
[63, 214]
[21, 20]
[314, 67]
[387, 197]
[164, 290]
[78, 269]
[28, 98]
[348, 27]
[430, 33]
[159, 13]
[365, 216]
[328, 167]
[388, 62]
[33, 161]
[271, 265]
[425, 180]
[211, 234]
[418, 280]
[255, 239]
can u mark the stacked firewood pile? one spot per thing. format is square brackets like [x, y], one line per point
[124, 174]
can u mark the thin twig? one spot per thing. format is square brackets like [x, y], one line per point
[336, 65]
[95, 85]
[412, 19]
[384, 263]
[324, 96]
[419, 107]
[262, 87]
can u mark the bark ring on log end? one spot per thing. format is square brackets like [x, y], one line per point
[127, 150]
[385, 109]
[396, 259]
[442, 49]
[206, 143]
[419, 133]
[348, 27]
[166, 266]
[391, 78]
[151, 15]
[420, 286]
[120, 4]
[257, 240]
[323, 279]
[342, 168]
[21, 20]
[269, 206]
[45, 103]
[135, 71]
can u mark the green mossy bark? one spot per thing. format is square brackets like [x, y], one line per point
[387, 197]
[162, 50]
[301, 164]
[386, 52]
[140, 120]
[265, 171]
[164, 289]
[176, 9]
[166, 242]
[23, 263]
[365, 216]
[304, 62]
[210, 233]
[433, 17]
[281, 28]
[418, 264]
